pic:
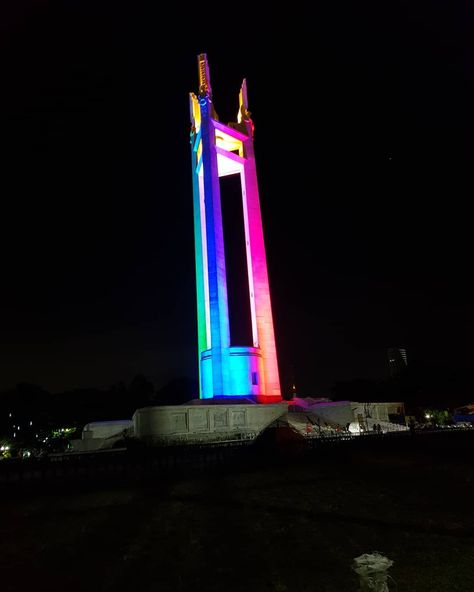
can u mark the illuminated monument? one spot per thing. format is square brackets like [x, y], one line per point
[226, 368]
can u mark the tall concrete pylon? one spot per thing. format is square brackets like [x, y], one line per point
[217, 150]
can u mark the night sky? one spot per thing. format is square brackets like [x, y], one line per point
[364, 145]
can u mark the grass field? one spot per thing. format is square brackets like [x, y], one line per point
[294, 526]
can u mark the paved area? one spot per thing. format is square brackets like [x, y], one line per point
[287, 528]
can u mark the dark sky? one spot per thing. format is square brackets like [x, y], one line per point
[364, 143]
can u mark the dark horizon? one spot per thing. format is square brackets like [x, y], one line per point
[364, 188]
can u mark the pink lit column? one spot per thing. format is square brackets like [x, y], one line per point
[258, 268]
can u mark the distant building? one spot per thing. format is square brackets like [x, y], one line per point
[397, 360]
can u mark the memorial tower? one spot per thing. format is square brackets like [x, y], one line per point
[220, 152]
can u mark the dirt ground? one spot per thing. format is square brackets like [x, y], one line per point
[294, 526]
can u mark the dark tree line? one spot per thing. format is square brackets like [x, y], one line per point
[34, 409]
[418, 386]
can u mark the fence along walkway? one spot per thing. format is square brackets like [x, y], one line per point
[121, 465]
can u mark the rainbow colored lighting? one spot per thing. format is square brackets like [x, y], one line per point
[218, 150]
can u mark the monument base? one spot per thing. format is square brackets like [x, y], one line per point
[268, 399]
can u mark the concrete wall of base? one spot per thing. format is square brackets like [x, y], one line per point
[204, 422]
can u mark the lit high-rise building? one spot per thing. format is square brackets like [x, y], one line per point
[397, 360]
